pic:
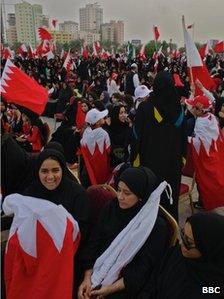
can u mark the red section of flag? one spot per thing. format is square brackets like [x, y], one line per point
[210, 174]
[97, 165]
[17, 87]
[202, 74]
[156, 33]
[203, 51]
[219, 47]
[44, 34]
[50, 275]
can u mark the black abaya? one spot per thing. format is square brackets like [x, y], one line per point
[112, 221]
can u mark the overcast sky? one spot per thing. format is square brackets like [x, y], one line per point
[140, 15]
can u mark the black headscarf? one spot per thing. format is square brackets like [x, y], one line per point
[181, 277]
[116, 124]
[208, 232]
[55, 146]
[140, 180]
[165, 97]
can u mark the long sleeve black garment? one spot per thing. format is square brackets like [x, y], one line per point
[173, 279]
[18, 167]
[161, 146]
[114, 219]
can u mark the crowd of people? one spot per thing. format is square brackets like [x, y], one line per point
[129, 124]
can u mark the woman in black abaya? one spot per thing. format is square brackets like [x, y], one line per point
[119, 132]
[134, 187]
[197, 263]
[160, 136]
[53, 184]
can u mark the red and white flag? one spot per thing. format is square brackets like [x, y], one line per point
[22, 50]
[98, 46]
[84, 51]
[142, 53]
[67, 63]
[95, 53]
[95, 148]
[196, 68]
[7, 53]
[219, 47]
[175, 54]
[39, 257]
[156, 33]
[44, 34]
[30, 52]
[17, 87]
[208, 158]
[204, 50]
[104, 55]
[43, 48]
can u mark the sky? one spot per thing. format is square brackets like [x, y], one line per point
[139, 16]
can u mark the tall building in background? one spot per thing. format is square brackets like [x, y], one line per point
[91, 18]
[11, 32]
[69, 26]
[25, 22]
[113, 32]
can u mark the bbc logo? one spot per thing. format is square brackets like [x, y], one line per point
[211, 290]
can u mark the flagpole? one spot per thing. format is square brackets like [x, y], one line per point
[156, 46]
[190, 67]
[193, 31]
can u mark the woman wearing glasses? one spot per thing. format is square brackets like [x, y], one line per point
[189, 269]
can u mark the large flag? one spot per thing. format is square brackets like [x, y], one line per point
[95, 148]
[208, 157]
[39, 258]
[44, 34]
[219, 47]
[17, 87]
[156, 33]
[197, 70]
